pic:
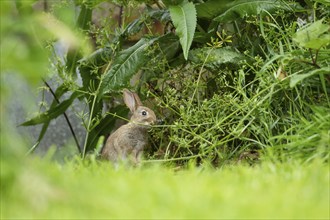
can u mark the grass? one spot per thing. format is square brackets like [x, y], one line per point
[40, 189]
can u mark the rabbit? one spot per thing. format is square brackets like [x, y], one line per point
[128, 141]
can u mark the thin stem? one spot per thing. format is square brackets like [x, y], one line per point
[315, 59]
[312, 57]
[95, 94]
[307, 62]
[90, 121]
[65, 116]
[32, 148]
[199, 77]
[117, 116]
[120, 21]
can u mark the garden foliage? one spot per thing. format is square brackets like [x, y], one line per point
[231, 80]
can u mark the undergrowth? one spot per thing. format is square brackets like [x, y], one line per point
[243, 81]
[272, 101]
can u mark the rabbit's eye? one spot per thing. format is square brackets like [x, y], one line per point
[144, 113]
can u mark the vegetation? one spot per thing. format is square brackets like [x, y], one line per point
[236, 83]
[48, 191]
[256, 74]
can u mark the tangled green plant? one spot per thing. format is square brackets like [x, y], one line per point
[229, 76]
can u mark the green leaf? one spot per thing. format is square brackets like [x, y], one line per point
[326, 2]
[138, 24]
[133, 28]
[184, 20]
[53, 113]
[299, 77]
[162, 15]
[169, 45]
[313, 36]
[58, 93]
[103, 55]
[98, 58]
[247, 8]
[172, 2]
[129, 61]
[74, 55]
[227, 10]
[85, 17]
[215, 58]
[212, 8]
[125, 65]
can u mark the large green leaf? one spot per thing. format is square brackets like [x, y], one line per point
[227, 10]
[184, 20]
[138, 24]
[212, 8]
[125, 65]
[313, 36]
[169, 45]
[98, 58]
[58, 93]
[216, 58]
[83, 22]
[172, 2]
[103, 55]
[326, 2]
[295, 79]
[242, 8]
[53, 113]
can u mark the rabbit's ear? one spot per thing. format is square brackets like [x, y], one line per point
[137, 99]
[129, 99]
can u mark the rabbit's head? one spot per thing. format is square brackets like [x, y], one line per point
[140, 114]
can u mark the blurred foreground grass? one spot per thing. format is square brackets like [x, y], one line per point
[36, 188]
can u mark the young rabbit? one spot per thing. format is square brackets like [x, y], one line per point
[128, 141]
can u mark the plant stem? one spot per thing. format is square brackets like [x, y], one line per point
[90, 121]
[65, 116]
[120, 21]
[308, 62]
[314, 59]
[198, 79]
[95, 94]
[32, 148]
